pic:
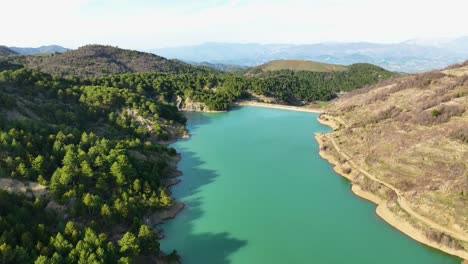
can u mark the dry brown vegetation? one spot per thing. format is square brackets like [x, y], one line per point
[460, 133]
[412, 132]
[297, 65]
[458, 65]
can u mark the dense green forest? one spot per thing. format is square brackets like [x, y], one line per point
[95, 141]
[149, 74]
[295, 86]
[219, 90]
[96, 149]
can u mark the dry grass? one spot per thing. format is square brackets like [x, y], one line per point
[460, 133]
[412, 132]
[299, 65]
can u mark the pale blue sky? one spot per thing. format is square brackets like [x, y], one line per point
[146, 24]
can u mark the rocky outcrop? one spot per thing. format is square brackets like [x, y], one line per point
[189, 105]
[163, 214]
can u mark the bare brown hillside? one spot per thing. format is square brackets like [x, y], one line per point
[406, 141]
[298, 65]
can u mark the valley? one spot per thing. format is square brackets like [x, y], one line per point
[84, 140]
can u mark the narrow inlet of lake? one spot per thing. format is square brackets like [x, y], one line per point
[257, 191]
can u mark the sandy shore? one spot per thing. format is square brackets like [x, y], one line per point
[382, 209]
[324, 120]
[277, 106]
[355, 188]
[203, 111]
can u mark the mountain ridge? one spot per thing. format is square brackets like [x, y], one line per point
[4, 50]
[99, 60]
[39, 50]
[406, 56]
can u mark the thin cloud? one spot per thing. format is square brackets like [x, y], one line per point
[148, 24]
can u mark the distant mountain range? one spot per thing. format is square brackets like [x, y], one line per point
[6, 51]
[39, 50]
[414, 55]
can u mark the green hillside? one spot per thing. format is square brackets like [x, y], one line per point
[292, 87]
[97, 151]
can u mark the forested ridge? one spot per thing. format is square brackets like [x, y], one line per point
[99, 60]
[293, 86]
[95, 141]
[106, 64]
[93, 147]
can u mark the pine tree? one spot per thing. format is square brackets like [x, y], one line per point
[128, 245]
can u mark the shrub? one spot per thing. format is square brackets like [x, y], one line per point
[436, 112]
[390, 112]
[380, 96]
[438, 116]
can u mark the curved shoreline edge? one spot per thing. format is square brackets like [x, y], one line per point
[382, 209]
[277, 106]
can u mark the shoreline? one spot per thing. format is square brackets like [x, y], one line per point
[203, 111]
[382, 210]
[277, 106]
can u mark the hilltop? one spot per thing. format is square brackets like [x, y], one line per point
[404, 144]
[99, 60]
[6, 51]
[39, 50]
[299, 86]
[214, 89]
[297, 65]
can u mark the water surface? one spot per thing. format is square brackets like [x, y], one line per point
[257, 191]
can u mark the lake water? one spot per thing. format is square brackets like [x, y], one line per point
[257, 191]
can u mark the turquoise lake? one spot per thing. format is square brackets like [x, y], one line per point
[257, 191]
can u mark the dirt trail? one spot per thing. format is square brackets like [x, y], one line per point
[401, 199]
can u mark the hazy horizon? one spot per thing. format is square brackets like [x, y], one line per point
[145, 24]
[424, 41]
